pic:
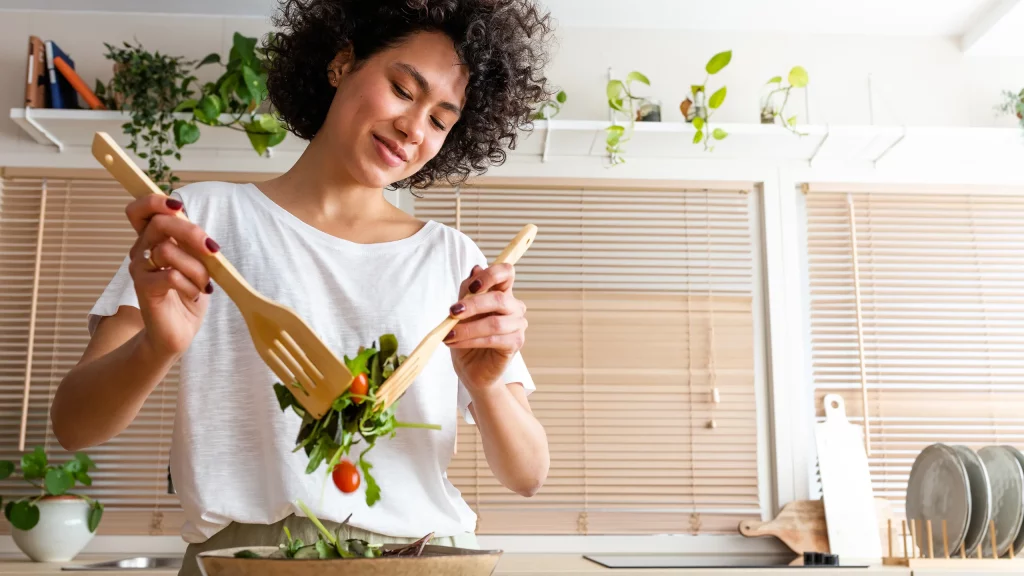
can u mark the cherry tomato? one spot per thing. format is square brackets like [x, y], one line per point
[359, 387]
[346, 477]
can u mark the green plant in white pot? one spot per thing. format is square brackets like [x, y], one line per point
[53, 525]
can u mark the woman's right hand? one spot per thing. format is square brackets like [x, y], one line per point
[171, 282]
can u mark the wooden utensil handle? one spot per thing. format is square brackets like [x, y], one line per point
[139, 185]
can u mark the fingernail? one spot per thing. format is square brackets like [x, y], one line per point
[450, 335]
[209, 288]
[174, 204]
[458, 309]
[212, 246]
[474, 287]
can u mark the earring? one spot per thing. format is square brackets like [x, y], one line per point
[332, 76]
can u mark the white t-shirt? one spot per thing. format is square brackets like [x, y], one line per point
[231, 453]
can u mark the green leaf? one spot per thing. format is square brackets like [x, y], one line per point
[209, 109]
[719, 134]
[358, 364]
[246, 554]
[615, 90]
[775, 80]
[255, 83]
[798, 77]
[285, 398]
[245, 48]
[561, 97]
[6, 469]
[23, 515]
[635, 76]
[791, 121]
[58, 481]
[8, 509]
[326, 550]
[268, 123]
[72, 467]
[698, 137]
[698, 123]
[372, 488]
[227, 85]
[718, 62]
[185, 133]
[187, 105]
[317, 456]
[616, 105]
[388, 345]
[83, 478]
[717, 98]
[33, 464]
[95, 515]
[210, 59]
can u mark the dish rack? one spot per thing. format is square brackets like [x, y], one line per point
[913, 558]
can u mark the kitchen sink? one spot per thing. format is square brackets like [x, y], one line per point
[137, 563]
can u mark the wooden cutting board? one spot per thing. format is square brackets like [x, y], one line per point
[801, 526]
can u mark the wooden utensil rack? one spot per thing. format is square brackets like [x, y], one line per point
[944, 558]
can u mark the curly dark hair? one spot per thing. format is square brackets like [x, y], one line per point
[502, 43]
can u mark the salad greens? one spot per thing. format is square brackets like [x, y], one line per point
[354, 417]
[328, 545]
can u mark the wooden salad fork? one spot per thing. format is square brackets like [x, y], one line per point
[314, 374]
[399, 381]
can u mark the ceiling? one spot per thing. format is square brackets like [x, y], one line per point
[988, 27]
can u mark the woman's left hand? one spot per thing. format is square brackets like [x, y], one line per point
[491, 328]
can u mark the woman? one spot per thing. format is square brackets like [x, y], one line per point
[388, 93]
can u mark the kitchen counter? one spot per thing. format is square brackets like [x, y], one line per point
[510, 565]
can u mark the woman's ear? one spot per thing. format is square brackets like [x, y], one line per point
[341, 65]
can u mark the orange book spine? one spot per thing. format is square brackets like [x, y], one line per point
[76, 82]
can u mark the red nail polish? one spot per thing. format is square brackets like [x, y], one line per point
[174, 204]
[450, 335]
[474, 287]
[209, 288]
[458, 309]
[212, 246]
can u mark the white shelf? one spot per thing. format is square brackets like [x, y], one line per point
[71, 132]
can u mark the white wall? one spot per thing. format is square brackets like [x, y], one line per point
[917, 81]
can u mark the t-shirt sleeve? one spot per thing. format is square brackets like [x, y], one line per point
[120, 291]
[469, 255]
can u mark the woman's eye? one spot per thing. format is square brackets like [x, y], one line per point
[401, 92]
[440, 125]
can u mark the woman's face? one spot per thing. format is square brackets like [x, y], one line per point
[391, 115]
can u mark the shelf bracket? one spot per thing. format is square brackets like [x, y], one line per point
[817, 150]
[547, 138]
[43, 131]
[874, 163]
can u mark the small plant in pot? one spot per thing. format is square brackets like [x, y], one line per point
[1013, 104]
[53, 525]
[772, 110]
[623, 99]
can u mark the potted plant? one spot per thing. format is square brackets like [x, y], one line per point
[157, 91]
[775, 89]
[550, 107]
[621, 99]
[54, 525]
[699, 112]
[1013, 103]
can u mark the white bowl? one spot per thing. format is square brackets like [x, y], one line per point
[62, 531]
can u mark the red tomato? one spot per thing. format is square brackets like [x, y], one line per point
[360, 386]
[346, 477]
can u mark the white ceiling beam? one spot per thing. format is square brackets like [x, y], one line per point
[988, 25]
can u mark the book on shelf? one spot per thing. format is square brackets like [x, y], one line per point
[62, 93]
[35, 85]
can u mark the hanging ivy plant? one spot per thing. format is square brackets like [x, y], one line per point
[157, 91]
[148, 86]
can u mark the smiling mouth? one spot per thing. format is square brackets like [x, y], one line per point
[393, 149]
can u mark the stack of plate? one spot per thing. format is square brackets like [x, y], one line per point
[968, 490]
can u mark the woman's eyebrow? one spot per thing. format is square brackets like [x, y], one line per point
[424, 85]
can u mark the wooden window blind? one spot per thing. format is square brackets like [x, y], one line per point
[74, 232]
[936, 352]
[642, 344]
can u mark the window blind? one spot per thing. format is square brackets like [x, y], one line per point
[938, 352]
[641, 341]
[74, 232]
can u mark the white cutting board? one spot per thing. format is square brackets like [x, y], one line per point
[846, 487]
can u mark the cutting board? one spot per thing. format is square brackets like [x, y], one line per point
[801, 526]
[851, 520]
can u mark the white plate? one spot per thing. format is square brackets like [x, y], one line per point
[1006, 481]
[981, 500]
[937, 490]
